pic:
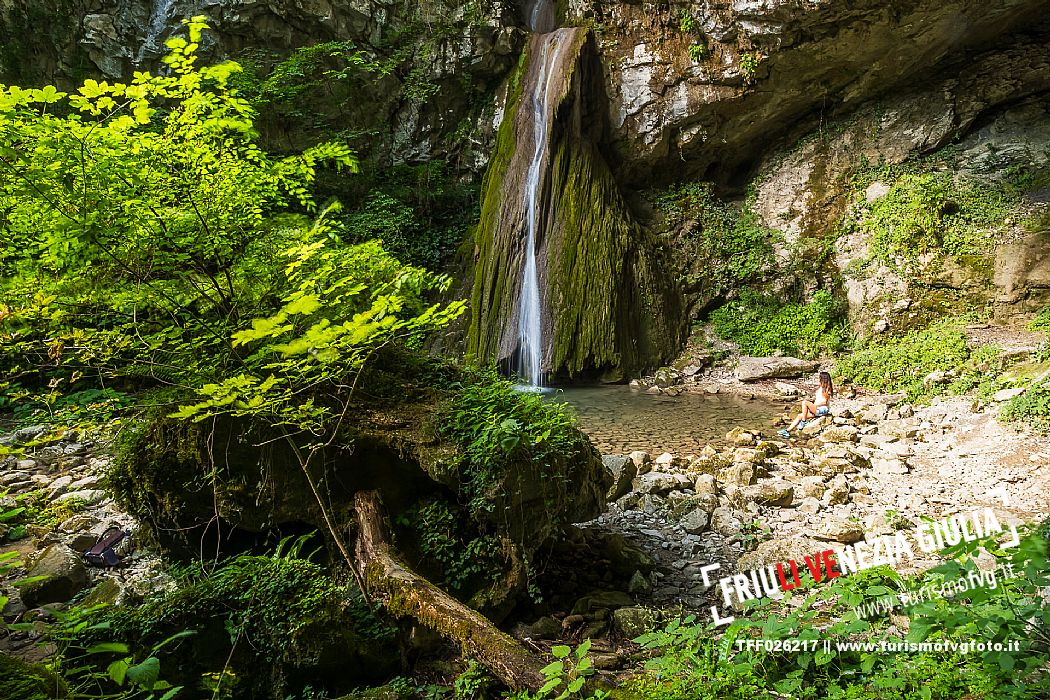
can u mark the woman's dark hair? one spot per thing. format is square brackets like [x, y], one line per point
[825, 383]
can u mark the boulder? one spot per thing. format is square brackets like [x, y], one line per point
[751, 369]
[899, 428]
[624, 557]
[739, 474]
[740, 437]
[706, 484]
[815, 425]
[60, 485]
[695, 521]
[837, 492]
[748, 454]
[811, 487]
[840, 433]
[88, 497]
[767, 448]
[639, 584]
[633, 621]
[873, 414]
[544, 628]
[656, 483]
[778, 549]
[810, 505]
[706, 502]
[771, 493]
[884, 467]
[664, 460]
[839, 530]
[641, 461]
[787, 389]
[623, 471]
[724, 522]
[61, 576]
[1007, 394]
[596, 600]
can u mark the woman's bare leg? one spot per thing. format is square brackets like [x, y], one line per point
[808, 411]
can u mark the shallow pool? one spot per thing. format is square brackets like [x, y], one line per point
[620, 420]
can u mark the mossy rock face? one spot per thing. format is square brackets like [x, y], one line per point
[22, 681]
[293, 626]
[607, 311]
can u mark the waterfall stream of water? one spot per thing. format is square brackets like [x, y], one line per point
[158, 21]
[552, 45]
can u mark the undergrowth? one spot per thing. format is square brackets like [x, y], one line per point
[918, 364]
[762, 325]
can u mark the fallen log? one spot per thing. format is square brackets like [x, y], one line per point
[407, 594]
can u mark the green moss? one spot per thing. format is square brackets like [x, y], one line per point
[487, 314]
[22, 681]
[736, 249]
[278, 621]
[588, 253]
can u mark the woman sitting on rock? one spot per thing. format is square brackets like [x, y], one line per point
[819, 406]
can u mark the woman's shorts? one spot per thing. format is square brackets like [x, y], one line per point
[823, 410]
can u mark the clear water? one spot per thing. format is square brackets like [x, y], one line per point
[620, 421]
[539, 15]
[531, 342]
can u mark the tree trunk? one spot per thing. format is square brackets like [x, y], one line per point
[405, 593]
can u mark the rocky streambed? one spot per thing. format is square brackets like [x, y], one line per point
[877, 465]
[64, 478]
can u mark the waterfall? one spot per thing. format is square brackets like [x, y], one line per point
[158, 21]
[552, 45]
[539, 16]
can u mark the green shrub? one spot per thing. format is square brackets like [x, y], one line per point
[495, 426]
[762, 325]
[735, 246]
[931, 211]
[1041, 322]
[1031, 408]
[688, 661]
[903, 363]
[447, 546]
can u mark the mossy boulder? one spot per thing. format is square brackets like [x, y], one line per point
[55, 576]
[23, 681]
[414, 438]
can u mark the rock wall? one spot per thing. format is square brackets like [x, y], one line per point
[769, 68]
[417, 81]
[788, 96]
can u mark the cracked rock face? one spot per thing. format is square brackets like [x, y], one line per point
[767, 66]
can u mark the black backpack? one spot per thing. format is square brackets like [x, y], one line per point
[104, 552]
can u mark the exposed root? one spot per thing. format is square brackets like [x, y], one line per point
[405, 593]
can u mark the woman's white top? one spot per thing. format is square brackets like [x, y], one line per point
[820, 398]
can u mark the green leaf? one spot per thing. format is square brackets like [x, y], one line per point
[118, 670]
[171, 693]
[146, 673]
[553, 668]
[108, 648]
